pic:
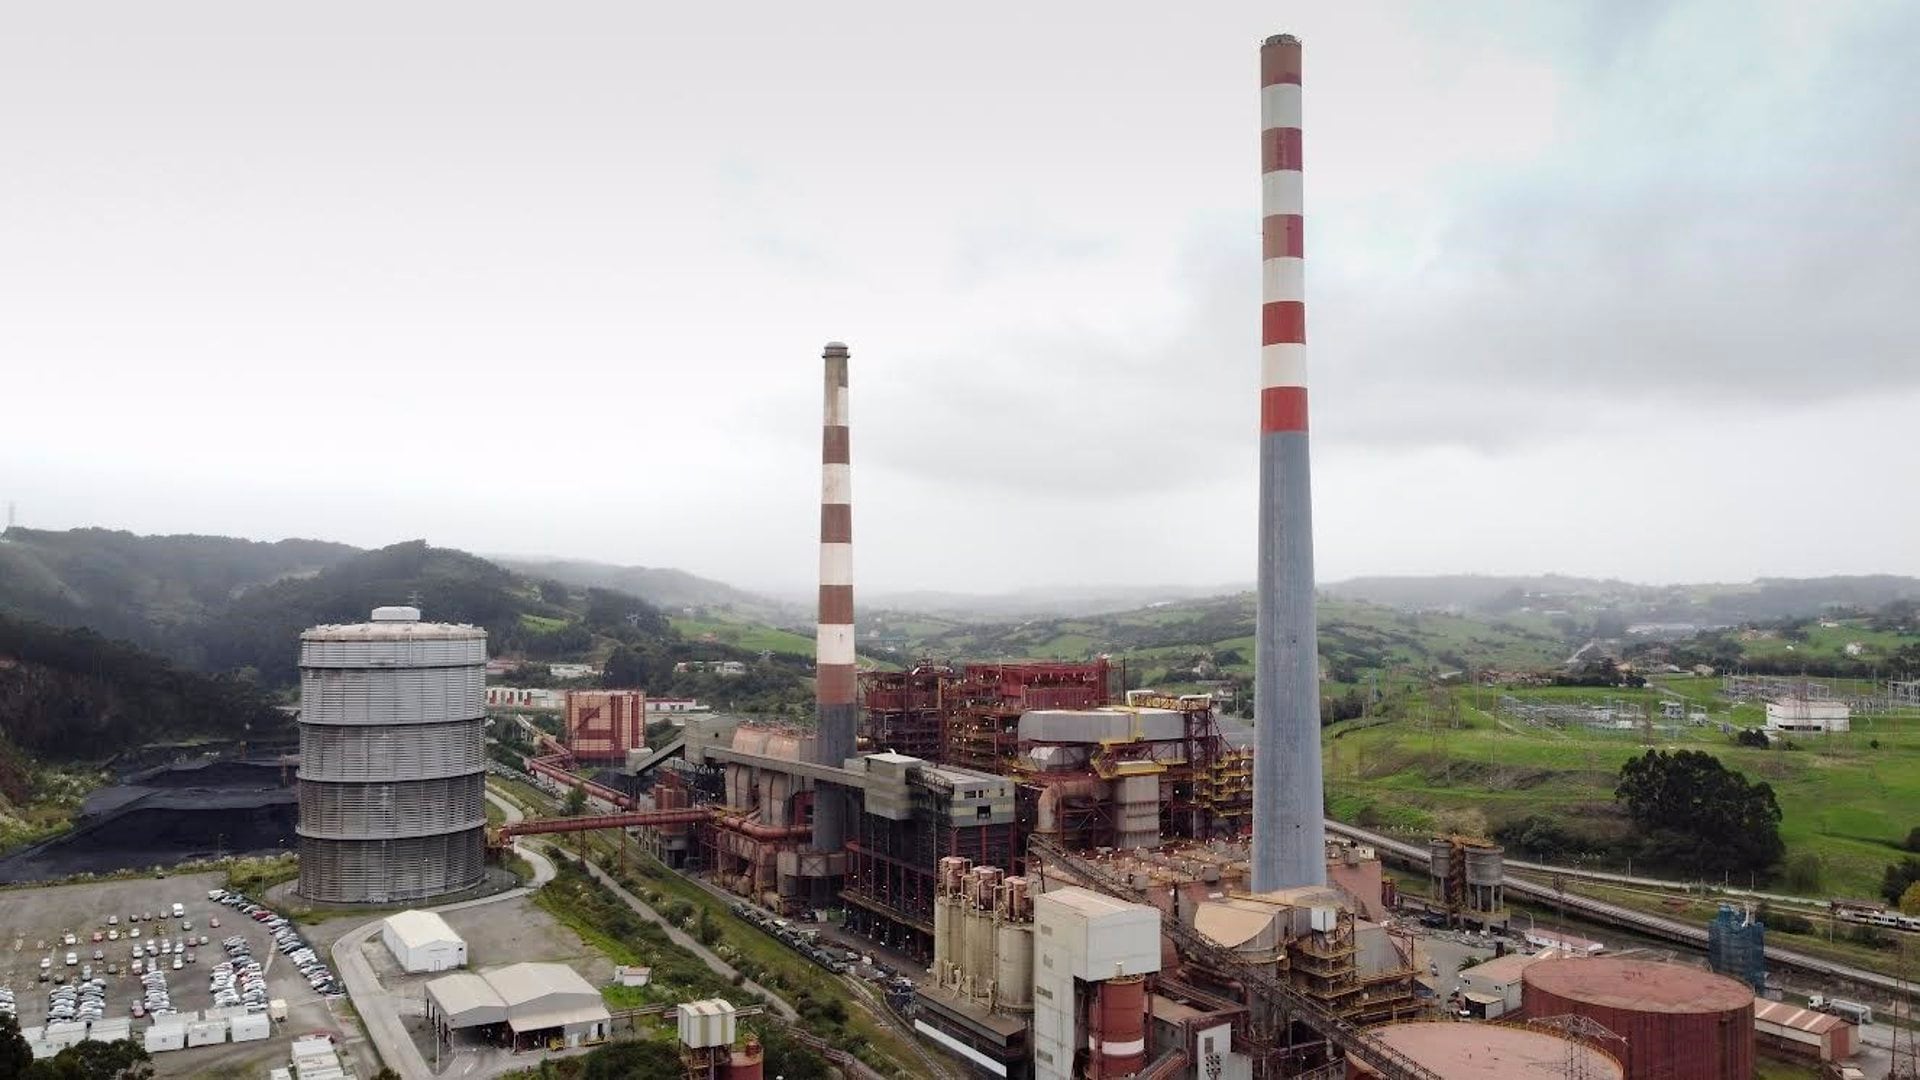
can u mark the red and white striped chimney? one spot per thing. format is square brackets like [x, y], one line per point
[1289, 830]
[834, 674]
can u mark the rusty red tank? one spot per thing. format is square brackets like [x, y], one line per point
[1117, 1038]
[747, 1063]
[1676, 1020]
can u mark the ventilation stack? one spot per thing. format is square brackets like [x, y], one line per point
[1289, 831]
[833, 644]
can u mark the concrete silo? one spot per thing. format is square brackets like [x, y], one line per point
[392, 759]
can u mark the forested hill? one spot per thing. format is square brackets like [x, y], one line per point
[72, 695]
[544, 620]
[150, 590]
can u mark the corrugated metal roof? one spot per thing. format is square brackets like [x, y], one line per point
[518, 984]
[555, 1018]
[418, 928]
[1781, 1014]
[1507, 968]
[466, 999]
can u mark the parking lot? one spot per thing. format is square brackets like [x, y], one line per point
[34, 924]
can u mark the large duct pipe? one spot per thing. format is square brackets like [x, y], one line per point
[1289, 834]
[833, 645]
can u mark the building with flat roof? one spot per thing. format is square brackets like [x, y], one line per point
[524, 1005]
[1803, 714]
[422, 941]
[1492, 989]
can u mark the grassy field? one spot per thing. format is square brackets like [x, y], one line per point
[1830, 643]
[743, 635]
[1850, 798]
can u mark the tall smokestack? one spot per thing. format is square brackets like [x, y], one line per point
[1289, 832]
[833, 644]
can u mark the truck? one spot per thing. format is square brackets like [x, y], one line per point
[1851, 1010]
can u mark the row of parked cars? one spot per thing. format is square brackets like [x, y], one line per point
[156, 999]
[8, 1007]
[85, 1000]
[238, 980]
[285, 937]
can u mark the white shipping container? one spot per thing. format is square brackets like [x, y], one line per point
[207, 1033]
[249, 1028]
[165, 1037]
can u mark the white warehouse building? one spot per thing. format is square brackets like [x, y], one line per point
[422, 941]
[1802, 714]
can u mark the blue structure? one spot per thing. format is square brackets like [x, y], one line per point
[1737, 947]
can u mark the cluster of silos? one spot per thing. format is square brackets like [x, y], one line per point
[392, 759]
[1467, 875]
[1675, 1020]
[983, 935]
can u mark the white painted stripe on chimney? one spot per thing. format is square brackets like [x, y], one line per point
[1283, 278]
[833, 645]
[836, 483]
[1116, 1048]
[1280, 192]
[1280, 106]
[836, 415]
[836, 564]
[1283, 365]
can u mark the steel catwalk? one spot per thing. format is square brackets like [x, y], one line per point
[1289, 834]
[834, 671]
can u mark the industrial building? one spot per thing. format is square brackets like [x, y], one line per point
[1798, 714]
[1492, 989]
[1792, 1031]
[603, 725]
[392, 759]
[1675, 1020]
[1101, 882]
[524, 1006]
[708, 1032]
[422, 941]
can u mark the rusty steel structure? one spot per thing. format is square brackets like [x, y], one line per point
[1280, 1013]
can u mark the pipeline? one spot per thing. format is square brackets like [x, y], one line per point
[636, 820]
[551, 768]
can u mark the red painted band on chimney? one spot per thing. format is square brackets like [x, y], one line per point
[1283, 322]
[836, 446]
[1280, 149]
[1284, 236]
[1283, 408]
[1280, 63]
[836, 523]
[836, 605]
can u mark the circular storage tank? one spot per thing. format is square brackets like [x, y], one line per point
[1457, 1051]
[1677, 1021]
[1484, 865]
[392, 759]
[1013, 979]
[747, 1063]
[1121, 1038]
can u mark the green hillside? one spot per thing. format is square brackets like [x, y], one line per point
[1461, 762]
[1181, 642]
[144, 589]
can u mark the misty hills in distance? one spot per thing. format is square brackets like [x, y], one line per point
[222, 604]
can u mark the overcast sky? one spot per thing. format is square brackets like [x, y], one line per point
[1611, 288]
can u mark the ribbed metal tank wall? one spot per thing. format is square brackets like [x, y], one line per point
[1677, 1020]
[404, 752]
[393, 759]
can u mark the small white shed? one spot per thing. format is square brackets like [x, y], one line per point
[422, 941]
